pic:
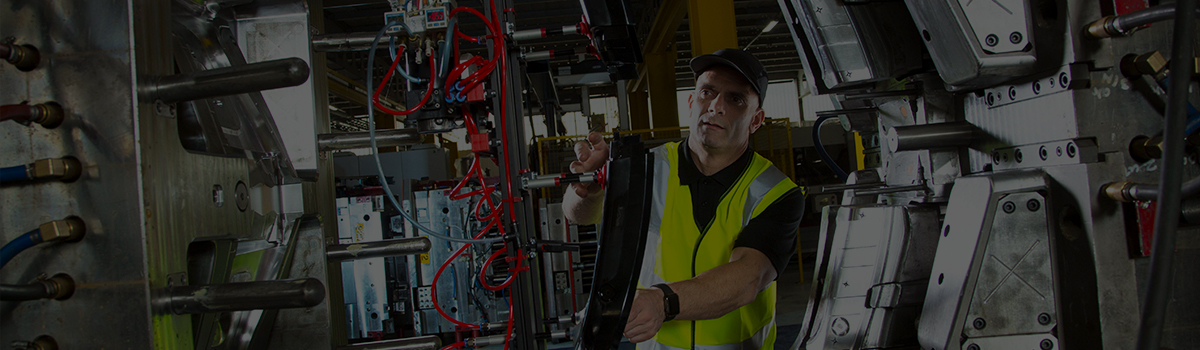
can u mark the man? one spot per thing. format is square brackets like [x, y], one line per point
[723, 222]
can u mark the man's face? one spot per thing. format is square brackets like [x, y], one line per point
[725, 108]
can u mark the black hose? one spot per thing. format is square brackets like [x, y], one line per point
[1158, 291]
[1146, 192]
[22, 292]
[816, 136]
[1125, 24]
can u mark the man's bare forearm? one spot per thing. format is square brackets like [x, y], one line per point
[725, 288]
[583, 211]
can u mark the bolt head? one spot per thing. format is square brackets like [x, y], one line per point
[1046, 344]
[1043, 319]
[991, 40]
[979, 323]
[1015, 38]
[1033, 205]
[1009, 207]
[973, 347]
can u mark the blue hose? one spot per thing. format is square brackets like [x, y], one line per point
[14, 173]
[19, 244]
[816, 136]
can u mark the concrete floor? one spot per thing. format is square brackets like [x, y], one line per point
[793, 299]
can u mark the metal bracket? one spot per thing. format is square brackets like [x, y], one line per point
[1038, 155]
[1065, 79]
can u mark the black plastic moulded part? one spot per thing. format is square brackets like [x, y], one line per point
[621, 245]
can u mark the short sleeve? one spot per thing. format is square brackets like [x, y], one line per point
[773, 232]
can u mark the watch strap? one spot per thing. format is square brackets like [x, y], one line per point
[670, 301]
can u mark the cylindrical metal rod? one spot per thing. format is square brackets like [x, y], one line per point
[929, 136]
[233, 80]
[343, 42]
[884, 190]
[383, 138]
[390, 247]
[479, 342]
[836, 188]
[544, 181]
[536, 33]
[429, 342]
[260, 295]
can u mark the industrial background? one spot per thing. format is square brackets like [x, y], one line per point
[356, 174]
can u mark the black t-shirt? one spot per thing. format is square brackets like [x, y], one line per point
[773, 232]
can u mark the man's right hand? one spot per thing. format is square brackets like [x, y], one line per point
[592, 155]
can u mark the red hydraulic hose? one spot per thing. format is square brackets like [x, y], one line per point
[410, 110]
[18, 112]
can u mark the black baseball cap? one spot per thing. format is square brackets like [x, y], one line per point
[740, 61]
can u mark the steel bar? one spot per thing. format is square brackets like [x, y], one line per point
[929, 136]
[837, 112]
[260, 295]
[526, 308]
[390, 247]
[1158, 289]
[233, 80]
[882, 94]
[383, 138]
[836, 188]
[360, 41]
[884, 190]
[429, 342]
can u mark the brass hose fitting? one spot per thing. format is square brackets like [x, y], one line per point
[49, 114]
[1118, 191]
[70, 229]
[65, 169]
[24, 57]
[59, 287]
[1101, 28]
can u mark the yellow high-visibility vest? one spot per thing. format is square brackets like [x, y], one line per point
[677, 250]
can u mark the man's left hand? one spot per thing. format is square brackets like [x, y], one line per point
[646, 316]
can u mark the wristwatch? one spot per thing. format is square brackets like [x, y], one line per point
[670, 301]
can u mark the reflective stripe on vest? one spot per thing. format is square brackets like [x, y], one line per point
[676, 250]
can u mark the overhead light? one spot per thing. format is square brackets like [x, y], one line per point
[770, 26]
